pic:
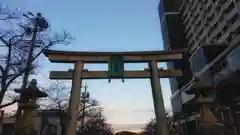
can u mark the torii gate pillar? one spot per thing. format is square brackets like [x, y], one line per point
[75, 98]
[161, 122]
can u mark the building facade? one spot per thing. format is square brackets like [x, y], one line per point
[174, 38]
[210, 30]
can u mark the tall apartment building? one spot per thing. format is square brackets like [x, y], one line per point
[210, 29]
[174, 38]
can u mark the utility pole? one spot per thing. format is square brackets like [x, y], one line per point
[85, 96]
[39, 24]
[99, 120]
[30, 55]
[26, 74]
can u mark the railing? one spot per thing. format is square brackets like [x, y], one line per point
[225, 53]
[220, 70]
[226, 66]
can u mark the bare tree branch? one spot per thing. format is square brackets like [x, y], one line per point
[58, 98]
[8, 104]
[17, 42]
[6, 14]
[4, 41]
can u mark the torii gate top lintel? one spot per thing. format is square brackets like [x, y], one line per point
[103, 57]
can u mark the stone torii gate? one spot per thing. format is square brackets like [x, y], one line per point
[79, 73]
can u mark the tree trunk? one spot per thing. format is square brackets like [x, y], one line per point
[5, 75]
[2, 93]
[8, 104]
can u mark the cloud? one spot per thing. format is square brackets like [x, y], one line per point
[130, 109]
[143, 111]
[126, 109]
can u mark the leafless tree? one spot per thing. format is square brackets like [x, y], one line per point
[58, 98]
[17, 40]
[151, 127]
[7, 13]
[97, 125]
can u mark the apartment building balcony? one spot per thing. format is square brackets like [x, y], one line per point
[226, 74]
[226, 70]
[203, 82]
[223, 75]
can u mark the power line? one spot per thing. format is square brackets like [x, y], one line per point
[44, 76]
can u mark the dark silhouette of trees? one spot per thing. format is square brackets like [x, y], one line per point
[151, 127]
[16, 40]
[58, 98]
[125, 133]
[8, 14]
[96, 126]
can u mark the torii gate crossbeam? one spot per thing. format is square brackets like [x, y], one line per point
[78, 73]
[137, 74]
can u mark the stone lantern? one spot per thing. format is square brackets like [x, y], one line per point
[28, 105]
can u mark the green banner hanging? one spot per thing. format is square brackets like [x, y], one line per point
[116, 67]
